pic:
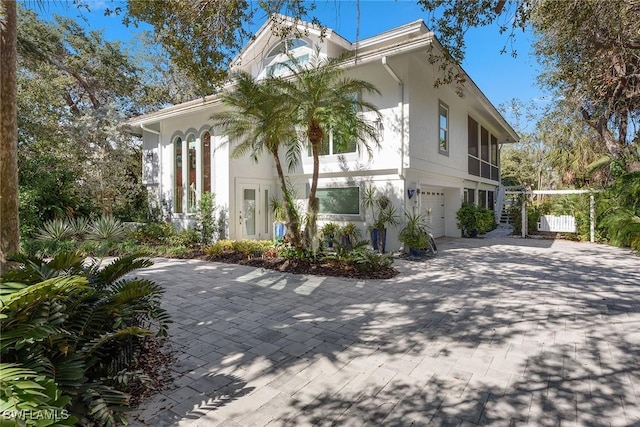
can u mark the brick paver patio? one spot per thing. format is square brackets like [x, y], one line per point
[491, 332]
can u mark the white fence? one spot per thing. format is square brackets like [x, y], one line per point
[558, 224]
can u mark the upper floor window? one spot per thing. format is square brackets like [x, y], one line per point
[443, 124]
[482, 152]
[334, 144]
[276, 64]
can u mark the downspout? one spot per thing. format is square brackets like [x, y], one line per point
[393, 74]
[155, 132]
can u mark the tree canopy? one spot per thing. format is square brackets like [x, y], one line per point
[590, 50]
[76, 90]
[203, 36]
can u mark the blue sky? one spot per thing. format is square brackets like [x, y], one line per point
[500, 76]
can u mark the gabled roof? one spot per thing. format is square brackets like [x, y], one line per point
[264, 37]
[403, 39]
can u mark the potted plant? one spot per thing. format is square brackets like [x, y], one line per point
[330, 232]
[467, 217]
[414, 235]
[349, 235]
[383, 214]
[279, 219]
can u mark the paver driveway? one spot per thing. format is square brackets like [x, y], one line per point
[491, 332]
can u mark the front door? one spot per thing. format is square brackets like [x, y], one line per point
[253, 211]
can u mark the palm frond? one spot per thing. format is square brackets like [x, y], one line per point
[119, 268]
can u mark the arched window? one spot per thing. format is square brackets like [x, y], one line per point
[298, 48]
[178, 190]
[277, 50]
[191, 153]
[206, 162]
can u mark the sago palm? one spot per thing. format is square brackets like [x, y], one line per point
[259, 119]
[75, 330]
[325, 100]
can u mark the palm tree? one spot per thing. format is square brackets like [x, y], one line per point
[327, 101]
[260, 119]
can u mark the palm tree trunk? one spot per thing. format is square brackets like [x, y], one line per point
[312, 208]
[9, 226]
[293, 226]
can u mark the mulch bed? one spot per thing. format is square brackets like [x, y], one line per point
[319, 268]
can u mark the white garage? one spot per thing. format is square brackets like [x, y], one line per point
[433, 209]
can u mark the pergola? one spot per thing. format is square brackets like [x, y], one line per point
[592, 209]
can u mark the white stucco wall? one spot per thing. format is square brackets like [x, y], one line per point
[408, 155]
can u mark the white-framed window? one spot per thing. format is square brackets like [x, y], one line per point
[339, 200]
[191, 186]
[177, 173]
[443, 128]
[205, 141]
[483, 151]
[334, 145]
[277, 60]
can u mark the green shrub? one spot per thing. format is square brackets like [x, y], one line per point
[72, 331]
[486, 220]
[248, 248]
[372, 260]
[206, 217]
[472, 218]
[153, 233]
[176, 252]
[219, 247]
[189, 237]
[252, 247]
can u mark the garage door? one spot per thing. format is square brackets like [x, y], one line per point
[432, 207]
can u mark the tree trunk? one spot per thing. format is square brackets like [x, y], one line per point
[613, 145]
[315, 138]
[9, 229]
[293, 227]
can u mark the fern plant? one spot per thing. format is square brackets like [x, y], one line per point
[79, 328]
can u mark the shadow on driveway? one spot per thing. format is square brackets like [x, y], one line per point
[490, 332]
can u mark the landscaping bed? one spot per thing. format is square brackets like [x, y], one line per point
[321, 267]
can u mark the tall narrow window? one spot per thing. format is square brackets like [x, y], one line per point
[177, 195]
[191, 153]
[267, 211]
[482, 198]
[206, 162]
[472, 135]
[495, 171]
[485, 169]
[494, 150]
[484, 144]
[443, 122]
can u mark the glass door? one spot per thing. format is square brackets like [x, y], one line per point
[254, 211]
[249, 211]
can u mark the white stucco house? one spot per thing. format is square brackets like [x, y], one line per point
[437, 148]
